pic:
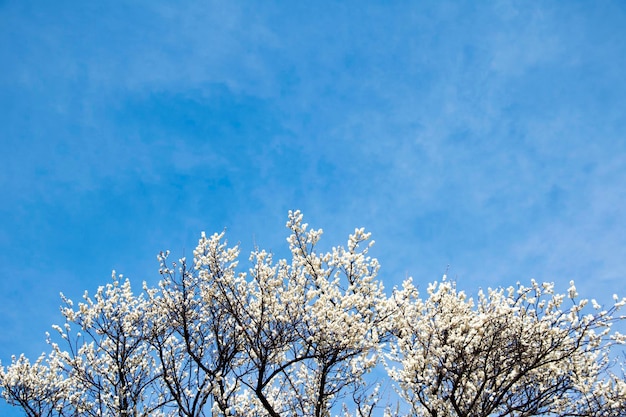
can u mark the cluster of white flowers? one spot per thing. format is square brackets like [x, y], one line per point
[302, 337]
[511, 352]
[104, 368]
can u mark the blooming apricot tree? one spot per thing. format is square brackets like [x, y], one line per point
[523, 351]
[283, 339]
[102, 366]
[302, 337]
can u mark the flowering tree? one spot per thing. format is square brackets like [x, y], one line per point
[40, 388]
[522, 351]
[301, 337]
[104, 368]
[109, 357]
[283, 339]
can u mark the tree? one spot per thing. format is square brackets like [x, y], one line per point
[301, 337]
[283, 339]
[511, 352]
[39, 389]
[105, 368]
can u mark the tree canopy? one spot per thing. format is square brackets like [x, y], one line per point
[313, 335]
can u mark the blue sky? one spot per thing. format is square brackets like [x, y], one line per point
[487, 136]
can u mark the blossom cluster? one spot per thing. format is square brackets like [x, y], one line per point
[519, 351]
